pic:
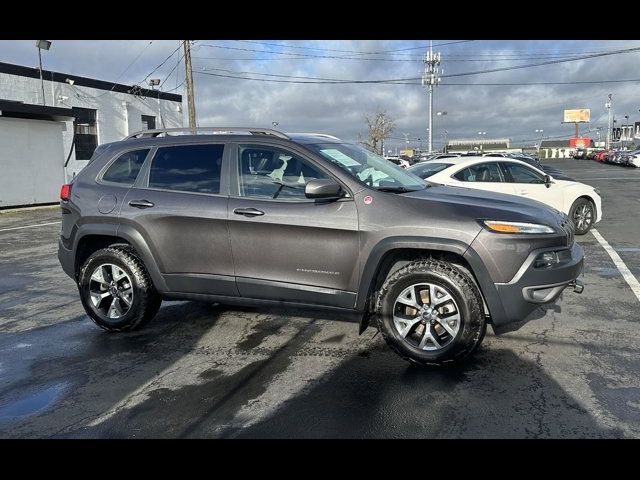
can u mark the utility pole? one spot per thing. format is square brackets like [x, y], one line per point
[609, 126]
[430, 79]
[189, 74]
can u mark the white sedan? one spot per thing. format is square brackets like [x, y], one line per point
[580, 201]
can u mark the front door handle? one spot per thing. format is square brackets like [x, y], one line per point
[524, 192]
[141, 203]
[248, 212]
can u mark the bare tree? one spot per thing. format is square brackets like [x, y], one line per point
[380, 125]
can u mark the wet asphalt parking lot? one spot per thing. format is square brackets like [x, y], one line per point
[200, 370]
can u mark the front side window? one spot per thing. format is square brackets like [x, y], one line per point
[187, 168]
[126, 167]
[522, 174]
[273, 173]
[483, 172]
[367, 167]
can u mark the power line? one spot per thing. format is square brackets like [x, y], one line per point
[397, 81]
[550, 62]
[358, 52]
[125, 70]
[161, 64]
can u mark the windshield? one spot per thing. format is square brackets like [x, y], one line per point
[367, 167]
[426, 169]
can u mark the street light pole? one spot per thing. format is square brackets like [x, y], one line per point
[42, 44]
[541, 132]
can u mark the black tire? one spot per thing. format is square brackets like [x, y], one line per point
[464, 292]
[578, 204]
[146, 300]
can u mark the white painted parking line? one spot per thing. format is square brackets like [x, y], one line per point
[29, 226]
[608, 178]
[622, 268]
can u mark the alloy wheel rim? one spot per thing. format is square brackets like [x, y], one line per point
[426, 316]
[582, 217]
[111, 291]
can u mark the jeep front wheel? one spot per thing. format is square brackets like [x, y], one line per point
[431, 313]
[116, 290]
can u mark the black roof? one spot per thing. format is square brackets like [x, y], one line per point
[48, 75]
[9, 108]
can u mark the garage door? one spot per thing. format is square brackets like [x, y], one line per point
[31, 161]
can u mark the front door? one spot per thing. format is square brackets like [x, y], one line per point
[287, 247]
[180, 209]
[530, 183]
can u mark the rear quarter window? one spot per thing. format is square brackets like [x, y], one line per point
[124, 170]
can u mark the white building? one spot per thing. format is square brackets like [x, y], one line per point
[43, 144]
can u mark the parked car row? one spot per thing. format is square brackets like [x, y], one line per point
[620, 157]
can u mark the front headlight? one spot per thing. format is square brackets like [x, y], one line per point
[516, 227]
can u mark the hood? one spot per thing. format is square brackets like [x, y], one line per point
[490, 205]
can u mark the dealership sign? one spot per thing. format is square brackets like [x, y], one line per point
[579, 142]
[582, 115]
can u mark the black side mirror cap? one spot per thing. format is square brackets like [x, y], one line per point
[325, 189]
[547, 181]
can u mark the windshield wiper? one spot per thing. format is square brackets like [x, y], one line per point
[394, 189]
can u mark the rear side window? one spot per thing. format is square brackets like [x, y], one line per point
[483, 172]
[187, 168]
[126, 167]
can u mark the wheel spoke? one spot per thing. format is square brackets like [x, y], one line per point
[126, 296]
[98, 297]
[98, 276]
[445, 323]
[433, 297]
[118, 274]
[115, 310]
[404, 326]
[408, 298]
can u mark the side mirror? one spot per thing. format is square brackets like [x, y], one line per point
[325, 189]
[548, 181]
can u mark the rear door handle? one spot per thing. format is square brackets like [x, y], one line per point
[141, 203]
[248, 212]
[524, 192]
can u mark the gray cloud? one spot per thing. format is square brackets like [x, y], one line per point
[502, 111]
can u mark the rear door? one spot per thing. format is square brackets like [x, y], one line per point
[286, 246]
[179, 206]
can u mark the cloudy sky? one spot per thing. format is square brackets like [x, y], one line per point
[513, 111]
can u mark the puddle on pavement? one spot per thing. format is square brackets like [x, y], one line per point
[33, 402]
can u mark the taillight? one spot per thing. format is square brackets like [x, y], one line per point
[65, 191]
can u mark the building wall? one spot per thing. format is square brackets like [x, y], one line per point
[118, 114]
[30, 153]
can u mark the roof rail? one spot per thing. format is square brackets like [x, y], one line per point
[206, 130]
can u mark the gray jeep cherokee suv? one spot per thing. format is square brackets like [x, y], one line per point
[254, 216]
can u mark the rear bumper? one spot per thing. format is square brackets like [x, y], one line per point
[533, 291]
[67, 261]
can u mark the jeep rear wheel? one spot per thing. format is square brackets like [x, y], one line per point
[431, 313]
[116, 290]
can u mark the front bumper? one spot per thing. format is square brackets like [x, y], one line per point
[533, 291]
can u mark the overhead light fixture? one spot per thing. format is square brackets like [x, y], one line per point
[154, 82]
[43, 44]
[69, 81]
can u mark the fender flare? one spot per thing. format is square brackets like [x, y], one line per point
[134, 238]
[478, 269]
